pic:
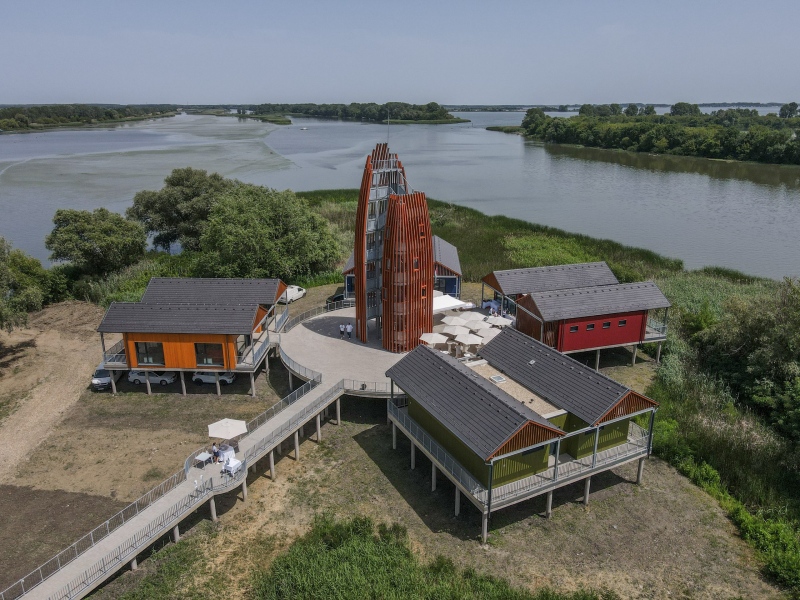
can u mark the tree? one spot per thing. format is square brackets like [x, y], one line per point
[788, 110]
[684, 109]
[98, 242]
[22, 284]
[631, 110]
[648, 110]
[178, 212]
[254, 231]
[586, 110]
[534, 118]
[616, 109]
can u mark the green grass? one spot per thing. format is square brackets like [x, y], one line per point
[507, 129]
[354, 559]
[426, 122]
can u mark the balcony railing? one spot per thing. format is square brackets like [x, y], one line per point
[116, 354]
[655, 329]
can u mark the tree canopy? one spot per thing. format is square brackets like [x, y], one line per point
[369, 111]
[179, 211]
[98, 242]
[26, 117]
[24, 285]
[788, 111]
[254, 231]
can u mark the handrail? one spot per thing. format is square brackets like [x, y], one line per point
[295, 366]
[329, 307]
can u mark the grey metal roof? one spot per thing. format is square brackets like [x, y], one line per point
[558, 277]
[599, 300]
[138, 317]
[446, 254]
[479, 413]
[559, 379]
[189, 290]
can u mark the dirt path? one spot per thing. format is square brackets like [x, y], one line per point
[45, 369]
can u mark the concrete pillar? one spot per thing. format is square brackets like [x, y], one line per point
[338, 411]
[548, 512]
[216, 380]
[413, 455]
[244, 489]
[183, 383]
[297, 445]
[485, 527]
[134, 565]
[113, 383]
[147, 383]
[597, 361]
[433, 477]
[394, 436]
[272, 465]
[639, 471]
[319, 428]
[291, 382]
[176, 534]
[280, 447]
[658, 353]
[212, 505]
[253, 468]
[253, 384]
[458, 501]
[633, 360]
[586, 484]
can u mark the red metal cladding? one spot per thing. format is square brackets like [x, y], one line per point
[407, 272]
[630, 403]
[360, 249]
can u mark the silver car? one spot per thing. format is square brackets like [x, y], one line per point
[159, 377]
[201, 377]
[101, 379]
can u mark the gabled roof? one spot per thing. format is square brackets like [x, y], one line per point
[559, 379]
[444, 253]
[479, 413]
[190, 290]
[138, 317]
[543, 279]
[599, 300]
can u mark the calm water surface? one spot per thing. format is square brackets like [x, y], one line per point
[740, 216]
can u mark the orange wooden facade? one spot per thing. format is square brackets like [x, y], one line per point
[526, 436]
[179, 349]
[630, 403]
[407, 273]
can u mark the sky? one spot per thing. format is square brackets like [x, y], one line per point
[465, 52]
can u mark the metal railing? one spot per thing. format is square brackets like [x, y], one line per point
[445, 459]
[655, 328]
[296, 367]
[72, 552]
[316, 311]
[356, 386]
[281, 319]
[116, 354]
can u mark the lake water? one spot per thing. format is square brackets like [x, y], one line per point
[741, 216]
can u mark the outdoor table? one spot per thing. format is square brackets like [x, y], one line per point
[232, 467]
[203, 458]
[226, 452]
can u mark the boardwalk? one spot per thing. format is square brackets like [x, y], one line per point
[339, 366]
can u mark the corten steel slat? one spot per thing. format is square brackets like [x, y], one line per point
[407, 272]
[630, 403]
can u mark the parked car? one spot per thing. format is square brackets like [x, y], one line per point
[339, 298]
[201, 377]
[292, 293]
[101, 379]
[160, 377]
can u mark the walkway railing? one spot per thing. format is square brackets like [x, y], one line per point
[304, 372]
[69, 554]
[316, 311]
[116, 354]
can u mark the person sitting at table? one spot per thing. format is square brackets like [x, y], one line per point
[215, 452]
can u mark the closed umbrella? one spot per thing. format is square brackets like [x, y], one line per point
[227, 429]
[455, 330]
[433, 338]
[469, 339]
[453, 321]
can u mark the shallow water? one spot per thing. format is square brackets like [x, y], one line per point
[740, 216]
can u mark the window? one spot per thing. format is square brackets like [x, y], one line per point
[370, 241]
[424, 291]
[573, 329]
[590, 327]
[606, 324]
[209, 355]
[623, 322]
[150, 353]
[421, 230]
[416, 264]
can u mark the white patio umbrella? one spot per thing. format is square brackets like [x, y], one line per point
[472, 316]
[453, 321]
[477, 326]
[499, 321]
[469, 339]
[227, 429]
[433, 338]
[489, 334]
[439, 328]
[455, 330]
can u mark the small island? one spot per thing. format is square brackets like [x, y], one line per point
[38, 117]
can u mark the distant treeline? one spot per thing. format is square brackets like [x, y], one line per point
[31, 117]
[736, 133]
[398, 111]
